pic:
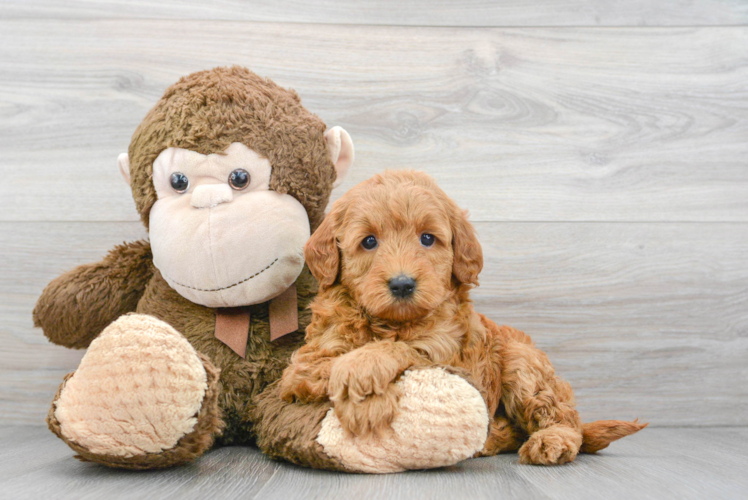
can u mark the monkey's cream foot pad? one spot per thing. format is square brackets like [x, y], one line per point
[442, 420]
[137, 391]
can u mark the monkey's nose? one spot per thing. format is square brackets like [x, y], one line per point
[402, 286]
[210, 195]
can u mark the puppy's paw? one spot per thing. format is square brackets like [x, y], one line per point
[440, 420]
[373, 415]
[298, 385]
[359, 374]
[552, 446]
[289, 386]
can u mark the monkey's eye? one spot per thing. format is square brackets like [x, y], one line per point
[179, 182]
[239, 179]
[369, 243]
[427, 239]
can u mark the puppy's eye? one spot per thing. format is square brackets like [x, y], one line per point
[427, 239]
[179, 182]
[239, 179]
[369, 243]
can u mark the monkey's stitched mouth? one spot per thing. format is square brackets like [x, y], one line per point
[226, 287]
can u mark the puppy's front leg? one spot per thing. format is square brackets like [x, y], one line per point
[361, 385]
[541, 402]
[305, 378]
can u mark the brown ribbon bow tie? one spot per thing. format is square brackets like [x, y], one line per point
[232, 323]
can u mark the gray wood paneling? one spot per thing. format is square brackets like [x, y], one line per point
[645, 320]
[406, 13]
[654, 464]
[633, 124]
[605, 160]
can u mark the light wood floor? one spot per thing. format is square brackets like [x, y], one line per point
[683, 463]
[601, 147]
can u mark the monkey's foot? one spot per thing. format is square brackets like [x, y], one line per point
[141, 398]
[442, 419]
[551, 446]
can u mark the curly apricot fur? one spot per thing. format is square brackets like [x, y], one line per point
[362, 337]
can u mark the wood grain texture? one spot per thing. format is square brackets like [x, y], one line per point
[645, 320]
[654, 464]
[607, 170]
[403, 13]
[634, 124]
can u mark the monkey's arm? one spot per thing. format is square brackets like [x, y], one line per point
[75, 307]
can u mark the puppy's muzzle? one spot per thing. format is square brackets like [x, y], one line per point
[402, 286]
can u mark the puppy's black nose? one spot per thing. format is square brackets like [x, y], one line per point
[402, 286]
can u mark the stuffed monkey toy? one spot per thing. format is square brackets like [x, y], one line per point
[189, 332]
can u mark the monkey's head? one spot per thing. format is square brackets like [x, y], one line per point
[231, 174]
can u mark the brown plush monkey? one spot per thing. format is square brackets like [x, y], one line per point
[188, 334]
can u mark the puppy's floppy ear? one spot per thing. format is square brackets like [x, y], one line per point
[468, 254]
[321, 251]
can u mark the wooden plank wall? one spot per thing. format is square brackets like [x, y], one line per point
[601, 148]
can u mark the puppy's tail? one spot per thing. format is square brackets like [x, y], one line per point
[599, 434]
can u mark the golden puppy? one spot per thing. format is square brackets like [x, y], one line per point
[395, 260]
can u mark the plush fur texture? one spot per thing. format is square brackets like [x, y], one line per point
[362, 337]
[189, 447]
[204, 112]
[289, 431]
[441, 420]
[75, 307]
[102, 407]
[199, 238]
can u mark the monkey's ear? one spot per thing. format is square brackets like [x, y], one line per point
[321, 253]
[468, 254]
[340, 145]
[123, 161]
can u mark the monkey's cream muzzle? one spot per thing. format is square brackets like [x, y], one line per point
[219, 246]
